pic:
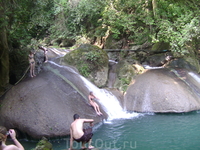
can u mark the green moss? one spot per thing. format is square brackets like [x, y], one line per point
[125, 73]
[44, 144]
[160, 46]
[87, 58]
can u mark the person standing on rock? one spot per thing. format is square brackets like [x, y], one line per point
[3, 138]
[79, 134]
[45, 53]
[91, 98]
[32, 63]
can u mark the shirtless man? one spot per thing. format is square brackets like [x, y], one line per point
[91, 98]
[79, 134]
[3, 138]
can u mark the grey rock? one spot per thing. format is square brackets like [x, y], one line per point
[45, 105]
[163, 91]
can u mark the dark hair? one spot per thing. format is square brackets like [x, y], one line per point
[76, 116]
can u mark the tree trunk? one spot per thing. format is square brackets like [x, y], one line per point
[154, 5]
[4, 56]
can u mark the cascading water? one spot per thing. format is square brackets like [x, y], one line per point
[107, 100]
[146, 106]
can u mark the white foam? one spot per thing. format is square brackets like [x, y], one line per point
[149, 67]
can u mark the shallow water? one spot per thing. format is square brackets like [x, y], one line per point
[145, 132]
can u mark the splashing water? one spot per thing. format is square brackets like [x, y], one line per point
[109, 102]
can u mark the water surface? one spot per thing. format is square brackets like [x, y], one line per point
[145, 132]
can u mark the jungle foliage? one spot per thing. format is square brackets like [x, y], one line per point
[173, 21]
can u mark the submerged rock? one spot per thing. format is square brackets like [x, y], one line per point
[163, 91]
[44, 144]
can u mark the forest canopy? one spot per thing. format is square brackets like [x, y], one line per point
[172, 21]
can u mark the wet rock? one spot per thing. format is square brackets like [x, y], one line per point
[45, 105]
[191, 64]
[124, 75]
[163, 91]
[157, 60]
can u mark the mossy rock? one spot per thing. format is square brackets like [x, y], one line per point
[89, 60]
[125, 74]
[44, 144]
[160, 46]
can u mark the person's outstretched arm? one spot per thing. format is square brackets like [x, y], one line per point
[88, 120]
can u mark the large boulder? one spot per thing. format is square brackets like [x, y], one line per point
[188, 63]
[121, 74]
[91, 61]
[163, 91]
[124, 75]
[45, 105]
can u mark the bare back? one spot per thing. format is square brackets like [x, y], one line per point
[77, 127]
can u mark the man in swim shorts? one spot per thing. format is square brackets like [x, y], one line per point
[79, 134]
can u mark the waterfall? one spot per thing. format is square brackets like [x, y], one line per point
[146, 106]
[108, 101]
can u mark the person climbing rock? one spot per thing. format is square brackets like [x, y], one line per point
[79, 134]
[91, 98]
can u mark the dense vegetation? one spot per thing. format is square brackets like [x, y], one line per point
[176, 22]
[25, 23]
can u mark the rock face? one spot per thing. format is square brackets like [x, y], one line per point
[91, 61]
[124, 75]
[163, 91]
[45, 105]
